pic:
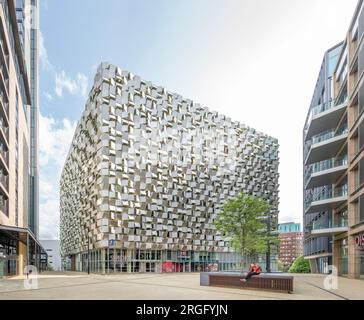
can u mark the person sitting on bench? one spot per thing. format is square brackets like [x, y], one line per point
[255, 270]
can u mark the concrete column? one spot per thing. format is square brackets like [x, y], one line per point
[352, 208]
[114, 260]
[313, 265]
[22, 260]
[129, 257]
[353, 259]
[336, 255]
[103, 260]
[73, 263]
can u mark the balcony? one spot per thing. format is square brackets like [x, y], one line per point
[326, 172]
[4, 183]
[4, 108]
[4, 156]
[4, 55]
[4, 80]
[4, 133]
[325, 117]
[325, 145]
[4, 206]
[326, 200]
[330, 228]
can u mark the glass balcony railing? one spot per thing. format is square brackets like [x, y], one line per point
[319, 225]
[326, 193]
[323, 107]
[4, 206]
[326, 106]
[4, 104]
[330, 134]
[330, 164]
[5, 155]
[324, 137]
[4, 180]
[325, 165]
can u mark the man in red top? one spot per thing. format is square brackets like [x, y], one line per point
[255, 270]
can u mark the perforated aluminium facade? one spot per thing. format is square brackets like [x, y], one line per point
[148, 170]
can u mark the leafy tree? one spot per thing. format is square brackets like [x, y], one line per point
[241, 220]
[300, 265]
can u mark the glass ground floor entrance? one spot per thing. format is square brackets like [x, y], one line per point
[158, 261]
[19, 248]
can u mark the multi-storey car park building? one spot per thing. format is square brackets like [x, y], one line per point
[334, 160]
[146, 174]
[18, 244]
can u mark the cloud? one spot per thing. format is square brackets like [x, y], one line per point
[76, 86]
[56, 138]
[63, 82]
[43, 54]
[49, 219]
[45, 188]
[48, 96]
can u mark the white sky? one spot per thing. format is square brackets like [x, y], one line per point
[261, 67]
[256, 61]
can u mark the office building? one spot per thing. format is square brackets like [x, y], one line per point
[18, 244]
[290, 242]
[52, 248]
[28, 25]
[145, 176]
[288, 227]
[333, 160]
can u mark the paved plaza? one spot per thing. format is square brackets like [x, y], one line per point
[166, 287]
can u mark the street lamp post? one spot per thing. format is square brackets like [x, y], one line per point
[88, 253]
[268, 268]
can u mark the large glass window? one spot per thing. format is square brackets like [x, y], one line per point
[342, 69]
[344, 257]
[333, 58]
[360, 212]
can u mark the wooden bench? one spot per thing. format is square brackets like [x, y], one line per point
[271, 282]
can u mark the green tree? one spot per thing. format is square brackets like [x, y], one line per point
[300, 265]
[241, 220]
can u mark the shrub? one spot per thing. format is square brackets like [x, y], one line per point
[300, 265]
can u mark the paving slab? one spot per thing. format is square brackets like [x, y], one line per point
[71, 286]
